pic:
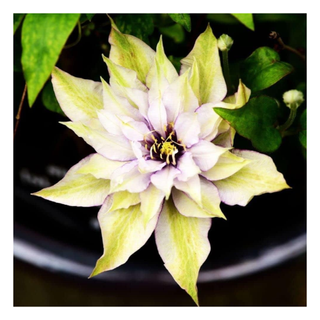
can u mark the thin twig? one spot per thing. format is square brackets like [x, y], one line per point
[276, 36]
[19, 110]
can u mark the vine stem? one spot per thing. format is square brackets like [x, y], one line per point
[226, 69]
[19, 110]
[289, 121]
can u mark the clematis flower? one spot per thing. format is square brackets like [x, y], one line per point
[164, 159]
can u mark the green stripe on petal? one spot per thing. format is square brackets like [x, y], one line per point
[151, 202]
[212, 86]
[80, 99]
[123, 233]
[227, 165]
[130, 52]
[258, 177]
[210, 201]
[124, 200]
[76, 189]
[183, 246]
[100, 167]
[110, 146]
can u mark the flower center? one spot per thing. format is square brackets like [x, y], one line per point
[168, 148]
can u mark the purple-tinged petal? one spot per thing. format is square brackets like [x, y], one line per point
[187, 128]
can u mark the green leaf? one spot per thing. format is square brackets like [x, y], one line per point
[255, 121]
[49, 99]
[138, 25]
[175, 32]
[246, 19]
[303, 126]
[263, 68]
[183, 19]
[43, 37]
[90, 16]
[17, 19]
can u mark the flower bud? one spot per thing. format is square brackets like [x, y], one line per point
[293, 98]
[225, 42]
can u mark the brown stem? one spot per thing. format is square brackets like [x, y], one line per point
[274, 35]
[19, 110]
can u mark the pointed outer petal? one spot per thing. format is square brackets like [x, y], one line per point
[206, 154]
[212, 86]
[258, 177]
[191, 187]
[209, 121]
[209, 198]
[194, 79]
[163, 179]
[227, 165]
[123, 200]
[187, 128]
[100, 167]
[151, 202]
[179, 97]
[110, 146]
[123, 233]
[121, 77]
[80, 99]
[157, 115]
[75, 189]
[162, 68]
[242, 95]
[183, 246]
[187, 167]
[118, 105]
[134, 130]
[130, 52]
[128, 177]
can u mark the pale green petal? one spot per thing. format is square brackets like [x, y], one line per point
[79, 99]
[110, 146]
[161, 68]
[258, 177]
[210, 202]
[179, 97]
[151, 202]
[100, 167]
[118, 105]
[130, 52]
[227, 165]
[191, 187]
[76, 189]
[212, 86]
[123, 200]
[183, 246]
[123, 233]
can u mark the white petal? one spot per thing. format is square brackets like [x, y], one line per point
[206, 154]
[134, 130]
[258, 177]
[190, 187]
[187, 128]
[110, 146]
[179, 97]
[209, 121]
[210, 202]
[157, 113]
[163, 179]
[128, 177]
[187, 167]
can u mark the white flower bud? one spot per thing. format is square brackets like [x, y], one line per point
[225, 42]
[293, 98]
